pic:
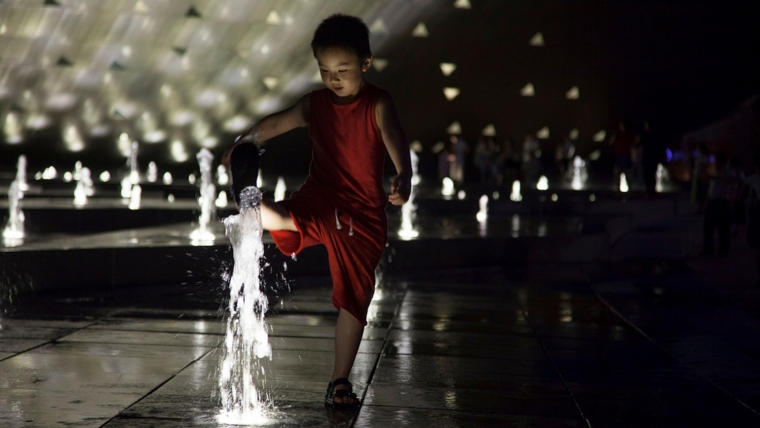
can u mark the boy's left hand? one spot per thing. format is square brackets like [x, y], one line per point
[400, 190]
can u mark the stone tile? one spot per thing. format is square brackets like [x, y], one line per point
[146, 338]
[455, 372]
[472, 400]
[319, 344]
[494, 346]
[4, 355]
[161, 325]
[187, 353]
[465, 327]
[56, 372]
[323, 332]
[382, 416]
[16, 345]
[285, 415]
[61, 408]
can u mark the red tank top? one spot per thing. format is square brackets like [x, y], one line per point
[349, 153]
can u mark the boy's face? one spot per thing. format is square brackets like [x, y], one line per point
[342, 71]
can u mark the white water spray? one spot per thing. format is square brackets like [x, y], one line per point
[84, 187]
[207, 199]
[152, 175]
[134, 199]
[246, 344]
[482, 214]
[14, 229]
[543, 183]
[279, 189]
[447, 188]
[578, 172]
[134, 171]
[515, 196]
[21, 174]
[623, 183]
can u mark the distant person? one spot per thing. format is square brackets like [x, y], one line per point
[507, 162]
[752, 182]
[341, 205]
[720, 196]
[484, 157]
[699, 178]
[653, 154]
[623, 142]
[531, 159]
[563, 155]
[458, 149]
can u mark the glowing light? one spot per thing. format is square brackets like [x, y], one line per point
[378, 27]
[450, 93]
[454, 129]
[543, 133]
[421, 31]
[237, 123]
[528, 90]
[623, 183]
[595, 155]
[265, 49]
[170, 198]
[141, 7]
[68, 176]
[61, 102]
[72, 139]
[515, 196]
[105, 176]
[554, 197]
[134, 199]
[579, 173]
[482, 214]
[279, 189]
[447, 188]
[573, 93]
[152, 174]
[191, 178]
[489, 130]
[12, 129]
[543, 183]
[379, 64]
[222, 177]
[462, 4]
[447, 68]
[537, 39]
[126, 51]
[167, 178]
[591, 197]
[178, 151]
[126, 187]
[221, 200]
[259, 180]
[461, 195]
[49, 173]
[210, 142]
[600, 136]
[155, 136]
[573, 134]
[182, 118]
[661, 177]
[274, 18]
[166, 90]
[37, 121]
[495, 195]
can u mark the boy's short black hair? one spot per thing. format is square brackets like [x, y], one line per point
[344, 32]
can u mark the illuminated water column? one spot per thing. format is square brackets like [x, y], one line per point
[279, 189]
[206, 201]
[14, 228]
[515, 196]
[623, 183]
[579, 174]
[21, 174]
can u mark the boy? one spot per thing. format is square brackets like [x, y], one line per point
[342, 203]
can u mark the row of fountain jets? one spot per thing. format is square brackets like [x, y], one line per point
[209, 200]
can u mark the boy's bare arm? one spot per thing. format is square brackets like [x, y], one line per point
[395, 141]
[273, 125]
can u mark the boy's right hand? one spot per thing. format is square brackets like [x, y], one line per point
[401, 188]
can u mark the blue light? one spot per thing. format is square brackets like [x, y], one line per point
[668, 155]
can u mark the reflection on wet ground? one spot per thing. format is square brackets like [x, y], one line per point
[466, 348]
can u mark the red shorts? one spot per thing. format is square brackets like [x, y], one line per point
[353, 256]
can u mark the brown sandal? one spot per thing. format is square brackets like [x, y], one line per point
[345, 393]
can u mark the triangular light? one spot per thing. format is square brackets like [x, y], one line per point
[573, 93]
[528, 90]
[462, 4]
[379, 64]
[274, 18]
[420, 30]
[270, 82]
[537, 39]
[454, 129]
[543, 133]
[447, 68]
[450, 93]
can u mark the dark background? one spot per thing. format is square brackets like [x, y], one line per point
[679, 64]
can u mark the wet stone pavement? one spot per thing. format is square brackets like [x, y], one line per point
[469, 348]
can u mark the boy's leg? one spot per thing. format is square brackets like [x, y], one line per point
[275, 217]
[348, 337]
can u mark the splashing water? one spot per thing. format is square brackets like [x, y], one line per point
[515, 196]
[14, 229]
[21, 174]
[134, 171]
[279, 189]
[482, 214]
[207, 199]
[247, 342]
[408, 216]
